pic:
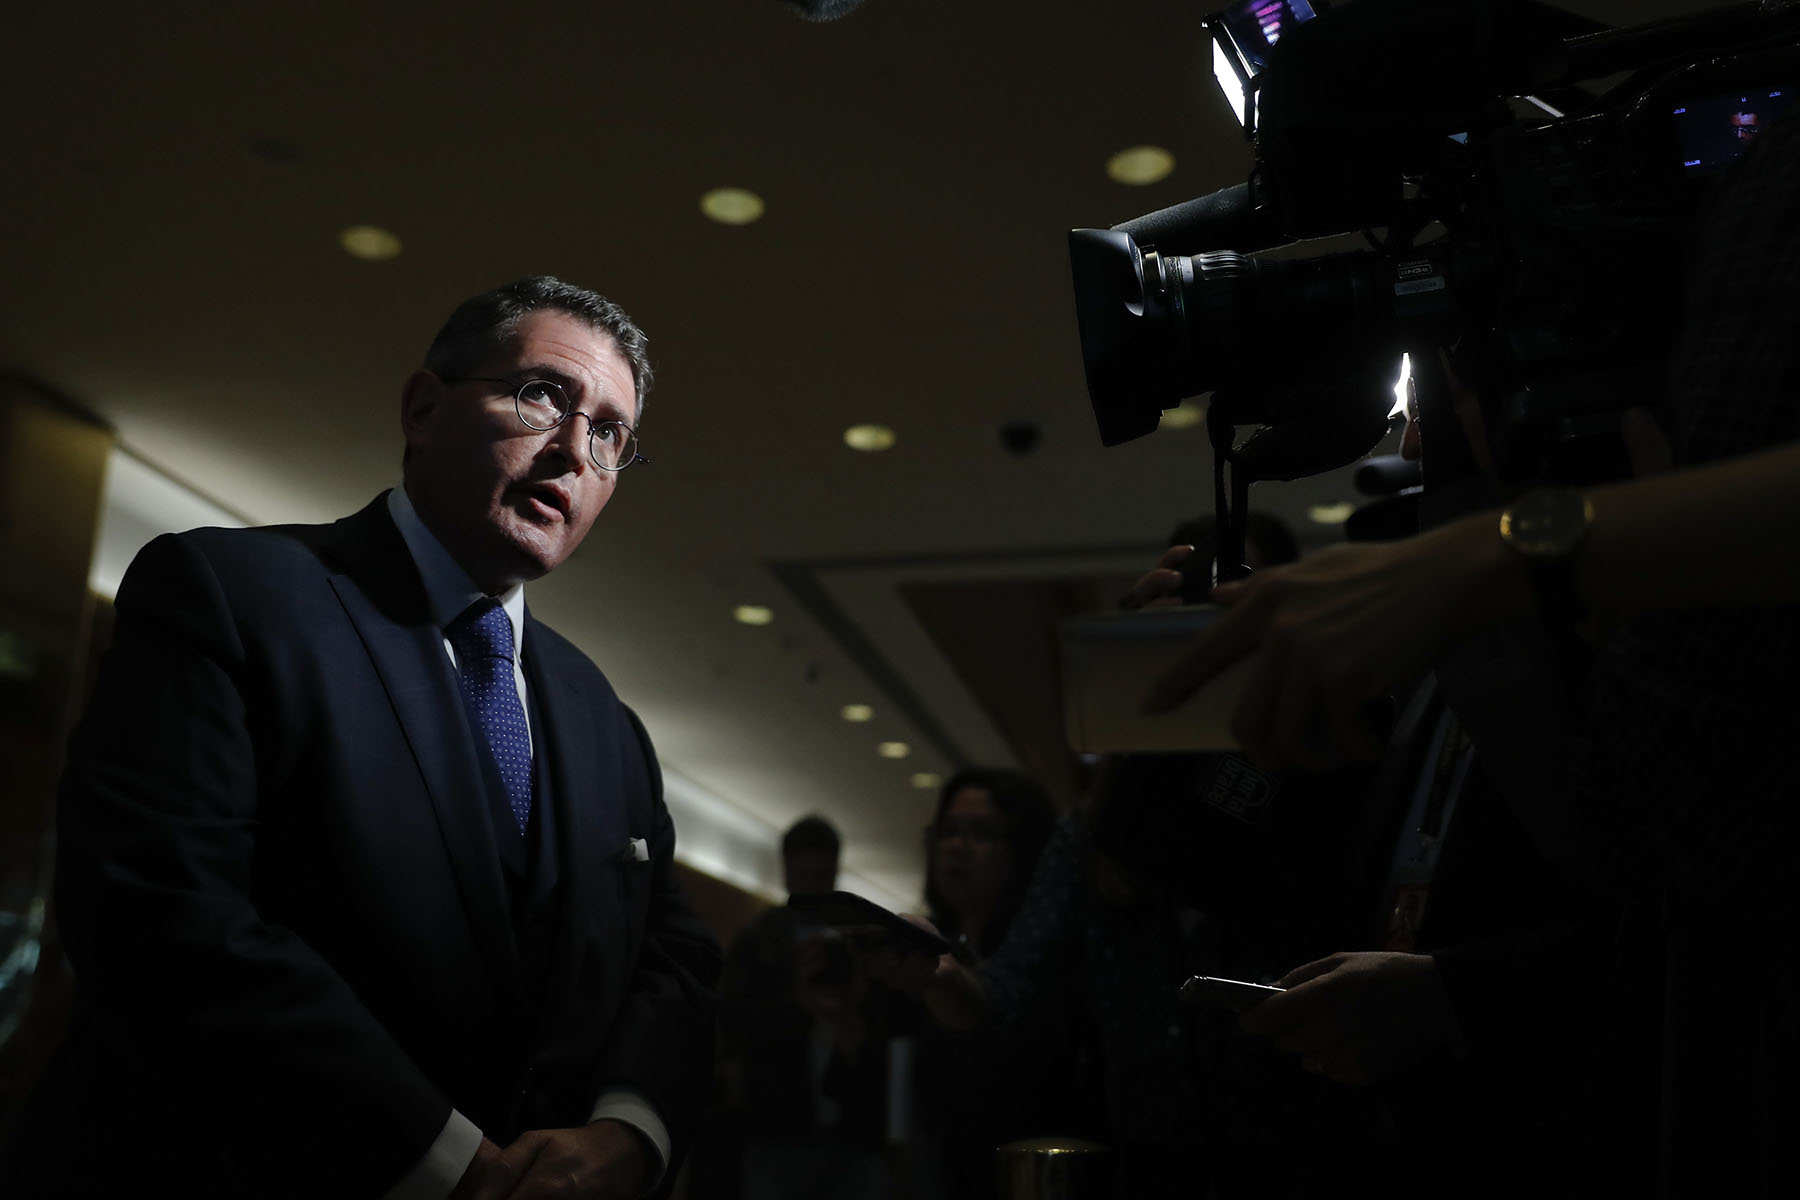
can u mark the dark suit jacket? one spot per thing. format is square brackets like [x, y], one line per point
[279, 886]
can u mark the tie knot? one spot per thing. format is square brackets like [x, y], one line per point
[483, 630]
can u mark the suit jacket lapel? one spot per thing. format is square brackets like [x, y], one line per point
[583, 765]
[380, 590]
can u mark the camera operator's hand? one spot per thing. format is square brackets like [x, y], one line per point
[900, 966]
[1349, 623]
[1340, 628]
[1160, 586]
[950, 990]
[1359, 1018]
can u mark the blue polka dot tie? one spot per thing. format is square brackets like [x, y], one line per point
[483, 639]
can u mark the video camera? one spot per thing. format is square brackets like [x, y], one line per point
[1536, 226]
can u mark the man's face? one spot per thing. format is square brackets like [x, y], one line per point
[509, 502]
[809, 872]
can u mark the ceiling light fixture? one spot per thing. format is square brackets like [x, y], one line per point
[732, 205]
[1140, 165]
[926, 779]
[1188, 415]
[857, 712]
[893, 749]
[1330, 514]
[371, 243]
[869, 437]
[753, 614]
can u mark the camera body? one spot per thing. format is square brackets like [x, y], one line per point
[1544, 239]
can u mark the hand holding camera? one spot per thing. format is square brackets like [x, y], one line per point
[1341, 628]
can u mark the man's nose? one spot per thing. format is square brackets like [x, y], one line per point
[570, 439]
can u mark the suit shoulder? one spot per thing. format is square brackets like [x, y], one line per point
[254, 542]
[256, 559]
[270, 574]
[367, 533]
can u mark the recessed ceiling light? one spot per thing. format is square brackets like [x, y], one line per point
[893, 749]
[925, 779]
[868, 437]
[857, 712]
[1331, 514]
[732, 206]
[1140, 165]
[369, 242]
[1188, 415]
[753, 614]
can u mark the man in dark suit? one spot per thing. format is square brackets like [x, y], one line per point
[365, 874]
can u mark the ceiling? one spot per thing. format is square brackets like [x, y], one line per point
[180, 174]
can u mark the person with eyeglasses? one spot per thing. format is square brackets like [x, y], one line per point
[990, 826]
[365, 872]
[981, 1088]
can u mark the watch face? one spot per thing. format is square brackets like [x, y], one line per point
[1547, 522]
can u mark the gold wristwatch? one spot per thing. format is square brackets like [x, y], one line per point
[1546, 526]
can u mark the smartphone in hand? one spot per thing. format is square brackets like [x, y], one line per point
[1235, 994]
[865, 922]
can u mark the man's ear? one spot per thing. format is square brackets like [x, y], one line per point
[419, 400]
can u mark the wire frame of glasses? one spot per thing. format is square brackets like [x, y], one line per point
[542, 404]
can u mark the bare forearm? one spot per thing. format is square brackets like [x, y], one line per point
[1701, 537]
[1721, 534]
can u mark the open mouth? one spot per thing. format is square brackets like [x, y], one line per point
[543, 503]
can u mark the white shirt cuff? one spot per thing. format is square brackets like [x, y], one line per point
[630, 1108]
[436, 1175]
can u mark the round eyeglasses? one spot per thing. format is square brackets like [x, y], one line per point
[542, 404]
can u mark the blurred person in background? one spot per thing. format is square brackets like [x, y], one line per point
[1114, 920]
[978, 1090]
[806, 1043]
[1661, 771]
[983, 841]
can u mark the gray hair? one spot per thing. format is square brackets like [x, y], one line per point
[482, 323]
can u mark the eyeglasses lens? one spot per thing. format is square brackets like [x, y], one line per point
[612, 445]
[544, 405]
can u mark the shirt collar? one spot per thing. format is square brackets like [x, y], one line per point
[448, 588]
